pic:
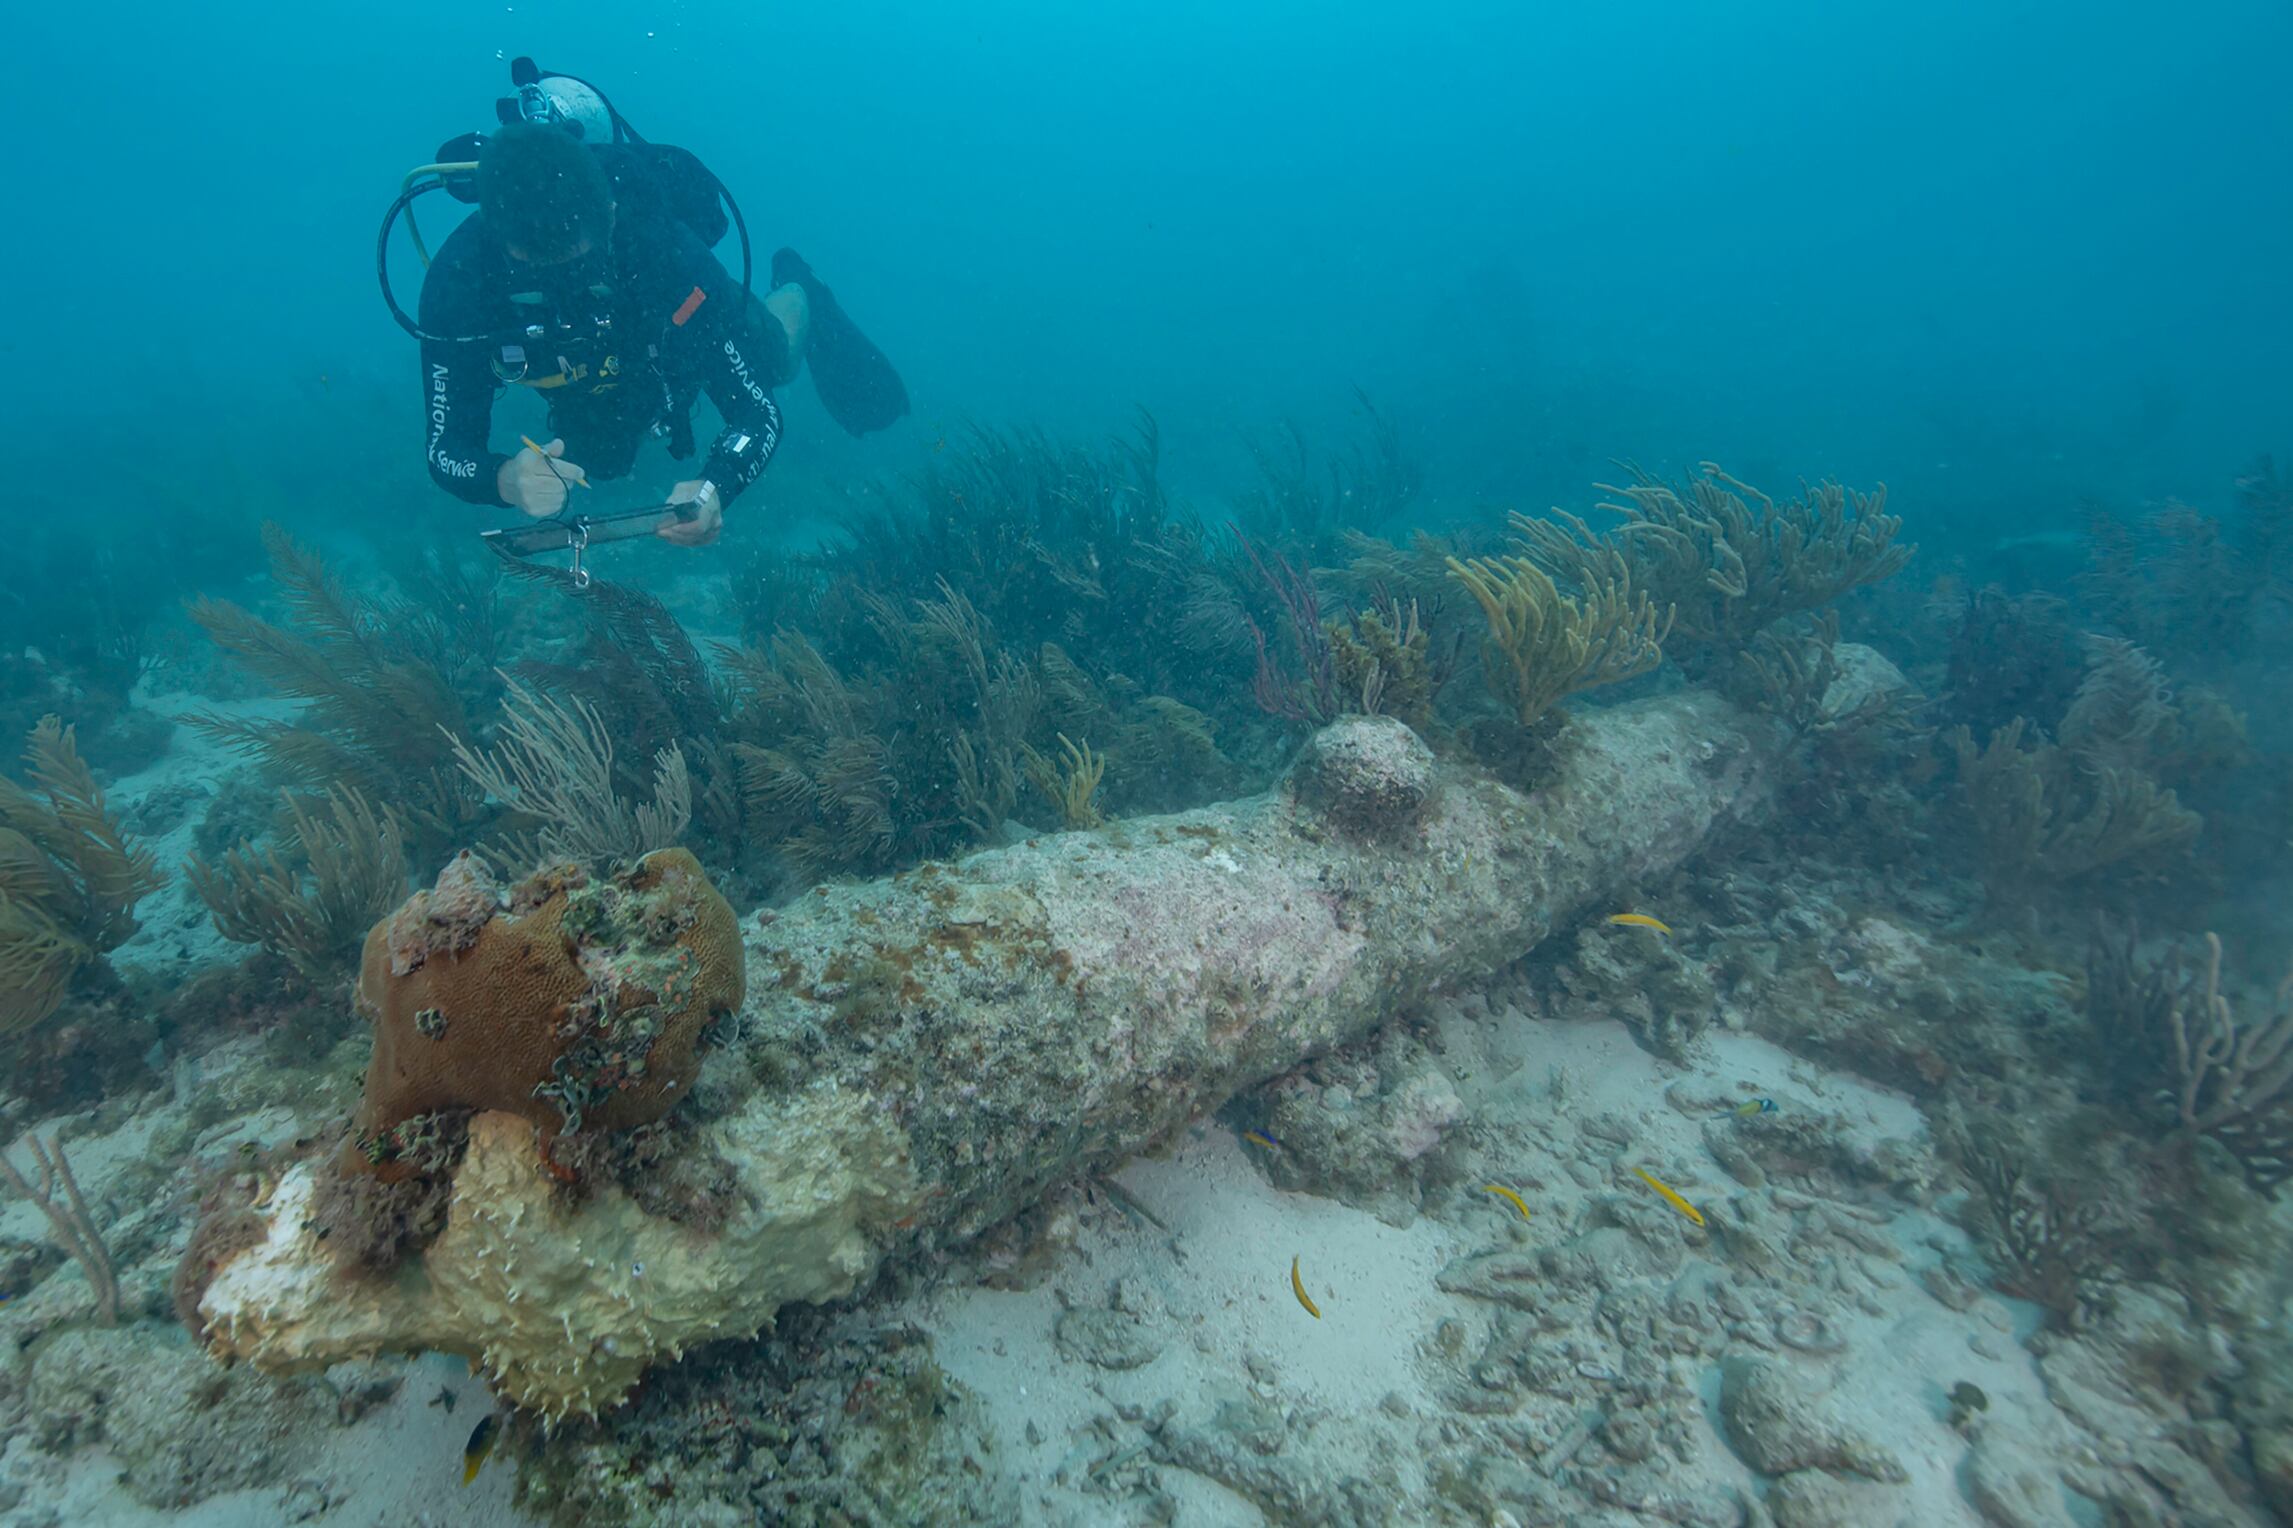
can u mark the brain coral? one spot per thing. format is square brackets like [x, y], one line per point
[573, 1002]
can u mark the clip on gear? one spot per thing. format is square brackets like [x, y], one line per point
[578, 533]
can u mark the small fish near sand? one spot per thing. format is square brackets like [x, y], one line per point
[1671, 1196]
[1641, 920]
[1750, 1107]
[1509, 1196]
[1298, 1288]
[1261, 1139]
[481, 1445]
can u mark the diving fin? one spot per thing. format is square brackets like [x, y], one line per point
[856, 384]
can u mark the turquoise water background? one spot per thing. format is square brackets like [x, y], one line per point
[2001, 255]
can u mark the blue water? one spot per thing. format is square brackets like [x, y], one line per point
[1997, 255]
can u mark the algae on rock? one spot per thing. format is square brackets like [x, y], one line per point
[574, 1002]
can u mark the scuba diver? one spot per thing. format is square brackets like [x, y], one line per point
[587, 274]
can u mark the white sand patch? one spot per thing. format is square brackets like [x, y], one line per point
[1235, 1328]
[1364, 1276]
[1235, 1324]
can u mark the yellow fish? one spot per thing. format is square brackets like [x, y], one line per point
[1671, 1197]
[480, 1445]
[1639, 920]
[1507, 1194]
[1298, 1288]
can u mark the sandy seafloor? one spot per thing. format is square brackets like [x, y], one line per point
[1205, 1326]
[1222, 1274]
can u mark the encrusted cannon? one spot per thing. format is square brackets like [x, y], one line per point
[920, 1057]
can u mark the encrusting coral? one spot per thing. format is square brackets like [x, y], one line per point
[575, 1003]
[563, 1308]
[1371, 775]
[69, 878]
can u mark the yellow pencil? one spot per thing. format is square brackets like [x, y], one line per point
[579, 482]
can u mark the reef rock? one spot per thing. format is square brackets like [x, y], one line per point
[1366, 774]
[2011, 1484]
[181, 1428]
[1778, 1422]
[1865, 677]
[1813, 1499]
[920, 1058]
[1364, 1125]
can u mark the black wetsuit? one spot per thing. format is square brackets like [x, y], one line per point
[678, 326]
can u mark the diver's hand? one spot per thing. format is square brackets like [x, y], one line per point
[708, 514]
[538, 481]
